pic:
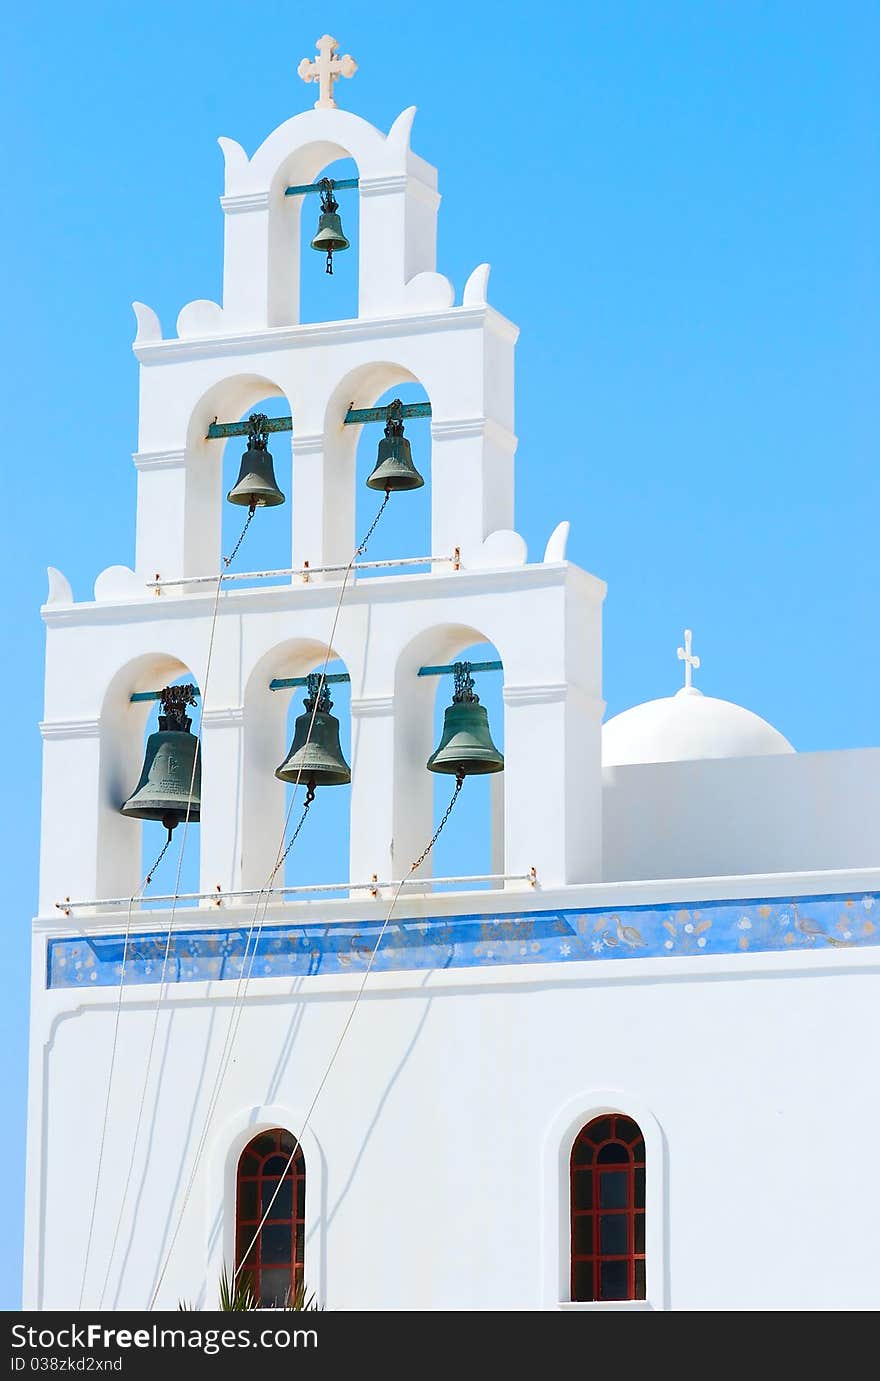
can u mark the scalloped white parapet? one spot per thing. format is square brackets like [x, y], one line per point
[149, 327]
[501, 548]
[301, 146]
[477, 287]
[557, 542]
[235, 160]
[200, 318]
[60, 591]
[118, 583]
[428, 292]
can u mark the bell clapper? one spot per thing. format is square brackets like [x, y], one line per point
[328, 204]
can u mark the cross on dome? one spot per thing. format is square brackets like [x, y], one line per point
[690, 659]
[325, 69]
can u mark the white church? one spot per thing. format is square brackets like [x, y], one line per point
[615, 1071]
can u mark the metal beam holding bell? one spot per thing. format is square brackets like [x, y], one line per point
[256, 486]
[329, 238]
[394, 469]
[170, 784]
[315, 756]
[465, 748]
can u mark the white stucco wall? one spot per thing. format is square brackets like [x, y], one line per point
[436, 1153]
[783, 813]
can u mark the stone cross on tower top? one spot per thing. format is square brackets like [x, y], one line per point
[326, 69]
[690, 659]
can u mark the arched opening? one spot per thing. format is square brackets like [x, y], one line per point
[213, 526]
[405, 526]
[271, 1181]
[299, 288]
[272, 808]
[128, 845]
[473, 840]
[330, 296]
[607, 1174]
[349, 457]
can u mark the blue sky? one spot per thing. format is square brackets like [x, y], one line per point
[680, 206]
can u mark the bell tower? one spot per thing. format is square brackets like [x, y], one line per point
[177, 612]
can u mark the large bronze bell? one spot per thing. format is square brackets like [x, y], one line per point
[170, 785]
[329, 238]
[256, 486]
[315, 759]
[394, 469]
[466, 748]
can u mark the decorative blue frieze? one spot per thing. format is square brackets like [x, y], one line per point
[466, 942]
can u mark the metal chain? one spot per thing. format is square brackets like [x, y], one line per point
[310, 796]
[149, 878]
[459, 782]
[228, 560]
[372, 528]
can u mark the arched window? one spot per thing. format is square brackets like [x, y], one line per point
[608, 1210]
[275, 1261]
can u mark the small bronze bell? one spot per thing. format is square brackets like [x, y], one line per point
[315, 759]
[394, 469]
[466, 748]
[171, 777]
[256, 486]
[329, 238]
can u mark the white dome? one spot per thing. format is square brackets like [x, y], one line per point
[685, 726]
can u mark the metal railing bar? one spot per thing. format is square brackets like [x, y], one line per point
[374, 885]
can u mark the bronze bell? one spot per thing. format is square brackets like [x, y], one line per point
[171, 777]
[256, 486]
[394, 467]
[329, 238]
[466, 748]
[315, 759]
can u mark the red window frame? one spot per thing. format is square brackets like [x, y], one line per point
[607, 1209]
[282, 1252]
